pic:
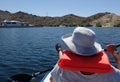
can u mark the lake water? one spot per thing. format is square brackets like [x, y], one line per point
[29, 50]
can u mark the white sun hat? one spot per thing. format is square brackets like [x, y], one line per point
[82, 42]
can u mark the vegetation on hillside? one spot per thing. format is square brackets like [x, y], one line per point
[100, 19]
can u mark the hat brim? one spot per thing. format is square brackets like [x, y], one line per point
[85, 51]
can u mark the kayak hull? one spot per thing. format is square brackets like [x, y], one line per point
[46, 78]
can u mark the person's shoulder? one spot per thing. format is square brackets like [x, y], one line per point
[116, 72]
[113, 76]
[115, 69]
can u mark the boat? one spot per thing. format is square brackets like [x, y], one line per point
[46, 78]
[13, 23]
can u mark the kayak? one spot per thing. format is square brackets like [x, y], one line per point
[46, 78]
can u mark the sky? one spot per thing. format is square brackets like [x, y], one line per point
[53, 8]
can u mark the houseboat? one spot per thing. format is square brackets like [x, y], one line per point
[9, 23]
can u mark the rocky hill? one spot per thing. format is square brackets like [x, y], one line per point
[106, 20]
[100, 19]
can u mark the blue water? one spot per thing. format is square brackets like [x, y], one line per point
[29, 50]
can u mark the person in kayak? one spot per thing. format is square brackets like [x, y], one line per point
[85, 60]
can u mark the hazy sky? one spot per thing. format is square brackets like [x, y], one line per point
[82, 8]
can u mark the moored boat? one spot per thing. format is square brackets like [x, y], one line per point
[9, 23]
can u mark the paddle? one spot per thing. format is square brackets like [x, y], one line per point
[117, 45]
[27, 77]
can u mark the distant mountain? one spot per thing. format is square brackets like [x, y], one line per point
[105, 19]
[4, 15]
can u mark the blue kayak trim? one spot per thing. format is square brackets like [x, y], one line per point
[43, 79]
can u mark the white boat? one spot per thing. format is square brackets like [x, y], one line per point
[13, 23]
